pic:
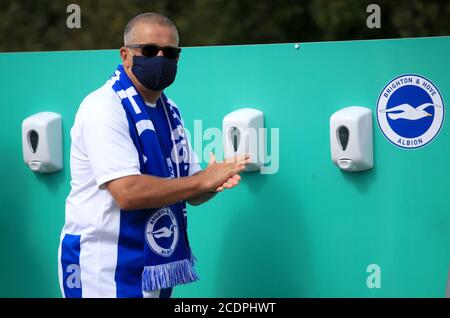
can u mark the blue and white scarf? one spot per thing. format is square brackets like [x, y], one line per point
[167, 257]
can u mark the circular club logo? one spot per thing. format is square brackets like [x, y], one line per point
[162, 232]
[410, 111]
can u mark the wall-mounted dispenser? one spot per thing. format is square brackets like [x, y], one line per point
[243, 132]
[42, 142]
[351, 138]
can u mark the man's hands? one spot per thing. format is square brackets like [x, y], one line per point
[145, 191]
[225, 175]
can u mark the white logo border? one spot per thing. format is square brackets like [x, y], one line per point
[150, 240]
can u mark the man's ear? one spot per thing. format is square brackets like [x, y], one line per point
[127, 59]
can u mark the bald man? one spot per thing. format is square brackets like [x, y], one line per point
[132, 172]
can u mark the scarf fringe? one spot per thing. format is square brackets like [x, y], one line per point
[169, 275]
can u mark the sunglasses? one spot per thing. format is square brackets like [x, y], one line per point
[151, 50]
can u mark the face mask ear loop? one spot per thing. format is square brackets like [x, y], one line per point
[132, 55]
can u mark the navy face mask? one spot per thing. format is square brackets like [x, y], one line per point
[156, 72]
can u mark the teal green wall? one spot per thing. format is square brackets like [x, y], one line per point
[307, 231]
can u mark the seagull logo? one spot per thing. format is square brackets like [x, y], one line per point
[163, 232]
[406, 111]
[410, 111]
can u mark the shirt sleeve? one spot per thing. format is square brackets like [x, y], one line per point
[108, 144]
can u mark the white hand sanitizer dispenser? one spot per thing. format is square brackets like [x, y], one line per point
[42, 142]
[243, 132]
[351, 138]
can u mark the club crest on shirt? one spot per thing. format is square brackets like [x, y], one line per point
[410, 111]
[162, 232]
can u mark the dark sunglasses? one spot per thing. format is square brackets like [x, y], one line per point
[150, 50]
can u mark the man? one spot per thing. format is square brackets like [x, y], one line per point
[132, 171]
